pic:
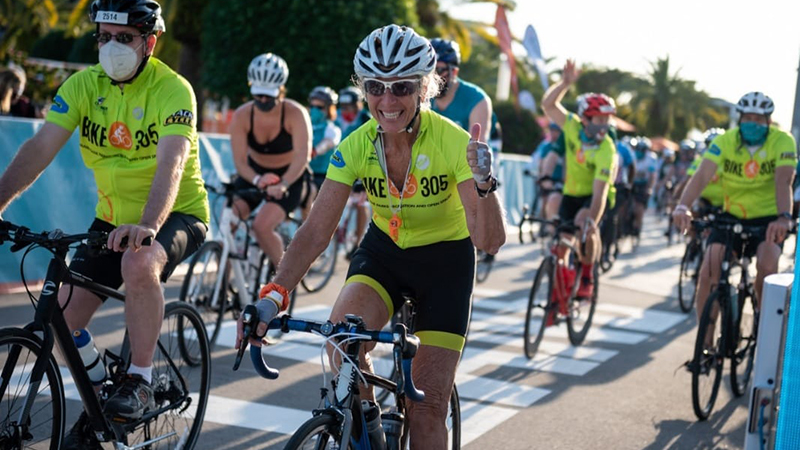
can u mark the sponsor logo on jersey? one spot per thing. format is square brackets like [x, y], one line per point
[714, 150]
[138, 113]
[409, 190]
[580, 156]
[337, 160]
[423, 162]
[98, 104]
[787, 155]
[120, 136]
[59, 105]
[183, 117]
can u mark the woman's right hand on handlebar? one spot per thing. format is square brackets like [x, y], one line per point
[267, 179]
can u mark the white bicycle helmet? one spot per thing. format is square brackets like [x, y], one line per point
[755, 103]
[394, 51]
[266, 74]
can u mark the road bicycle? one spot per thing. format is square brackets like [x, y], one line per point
[214, 292]
[728, 325]
[32, 391]
[342, 422]
[553, 296]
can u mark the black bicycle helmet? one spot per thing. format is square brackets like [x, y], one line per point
[447, 51]
[325, 94]
[142, 14]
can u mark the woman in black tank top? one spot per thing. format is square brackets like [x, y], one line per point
[270, 141]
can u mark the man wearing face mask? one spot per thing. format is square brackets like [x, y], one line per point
[757, 162]
[590, 163]
[352, 113]
[138, 134]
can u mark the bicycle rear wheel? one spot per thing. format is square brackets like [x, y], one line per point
[318, 433]
[581, 310]
[540, 307]
[181, 376]
[483, 266]
[322, 268]
[745, 350]
[198, 287]
[709, 355]
[19, 350]
[688, 275]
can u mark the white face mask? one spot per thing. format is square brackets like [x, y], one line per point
[118, 60]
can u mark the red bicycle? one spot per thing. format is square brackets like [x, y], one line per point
[553, 298]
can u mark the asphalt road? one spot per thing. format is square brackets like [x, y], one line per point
[624, 388]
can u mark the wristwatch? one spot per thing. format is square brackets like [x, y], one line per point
[786, 215]
[492, 187]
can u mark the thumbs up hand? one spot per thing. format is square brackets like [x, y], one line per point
[479, 156]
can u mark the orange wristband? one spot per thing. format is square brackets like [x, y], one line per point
[281, 290]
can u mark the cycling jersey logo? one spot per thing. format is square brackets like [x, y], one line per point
[580, 156]
[101, 197]
[751, 169]
[410, 189]
[120, 136]
[337, 160]
[59, 105]
[138, 113]
[182, 116]
[423, 162]
[714, 150]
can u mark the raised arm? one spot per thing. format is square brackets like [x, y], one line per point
[551, 102]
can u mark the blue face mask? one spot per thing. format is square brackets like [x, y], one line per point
[639, 154]
[317, 116]
[753, 133]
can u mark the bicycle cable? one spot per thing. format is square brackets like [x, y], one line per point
[337, 348]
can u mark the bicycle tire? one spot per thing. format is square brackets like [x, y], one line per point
[198, 287]
[540, 307]
[320, 431]
[483, 267]
[181, 380]
[687, 281]
[581, 311]
[321, 270]
[16, 374]
[706, 365]
[744, 350]
[523, 218]
[454, 418]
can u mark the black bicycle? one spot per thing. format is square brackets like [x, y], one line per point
[691, 262]
[728, 325]
[32, 401]
[343, 422]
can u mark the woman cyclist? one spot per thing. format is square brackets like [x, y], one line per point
[322, 108]
[271, 142]
[431, 190]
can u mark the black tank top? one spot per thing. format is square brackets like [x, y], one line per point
[281, 144]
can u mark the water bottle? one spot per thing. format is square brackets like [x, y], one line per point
[372, 414]
[90, 356]
[393, 428]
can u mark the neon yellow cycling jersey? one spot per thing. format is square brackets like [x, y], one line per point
[431, 209]
[585, 162]
[713, 190]
[748, 180]
[119, 133]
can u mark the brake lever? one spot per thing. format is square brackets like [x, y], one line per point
[250, 321]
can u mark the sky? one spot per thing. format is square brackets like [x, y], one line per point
[728, 47]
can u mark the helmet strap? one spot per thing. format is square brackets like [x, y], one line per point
[410, 127]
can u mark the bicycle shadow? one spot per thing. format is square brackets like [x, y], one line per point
[682, 434]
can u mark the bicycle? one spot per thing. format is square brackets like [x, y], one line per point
[342, 419]
[344, 237]
[732, 332]
[691, 262]
[214, 292]
[558, 300]
[32, 405]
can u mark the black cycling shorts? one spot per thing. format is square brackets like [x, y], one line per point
[570, 206]
[440, 277]
[288, 203]
[181, 235]
[640, 194]
[742, 248]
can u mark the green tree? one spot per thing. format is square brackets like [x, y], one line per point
[24, 21]
[317, 38]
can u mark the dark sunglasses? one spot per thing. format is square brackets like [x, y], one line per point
[263, 98]
[442, 70]
[399, 88]
[122, 38]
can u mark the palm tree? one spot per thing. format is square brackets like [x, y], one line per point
[22, 21]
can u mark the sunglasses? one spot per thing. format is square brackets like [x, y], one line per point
[442, 70]
[122, 38]
[263, 98]
[399, 88]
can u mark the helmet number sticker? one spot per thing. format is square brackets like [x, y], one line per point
[111, 17]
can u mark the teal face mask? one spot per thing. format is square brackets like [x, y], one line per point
[317, 115]
[753, 133]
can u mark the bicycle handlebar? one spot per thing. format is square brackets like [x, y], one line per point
[23, 237]
[405, 344]
[229, 190]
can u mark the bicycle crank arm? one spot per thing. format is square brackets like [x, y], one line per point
[121, 446]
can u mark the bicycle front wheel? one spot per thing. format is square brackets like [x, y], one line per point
[181, 375]
[688, 275]
[709, 354]
[581, 311]
[322, 268]
[19, 350]
[198, 287]
[454, 420]
[318, 433]
[540, 307]
[745, 350]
